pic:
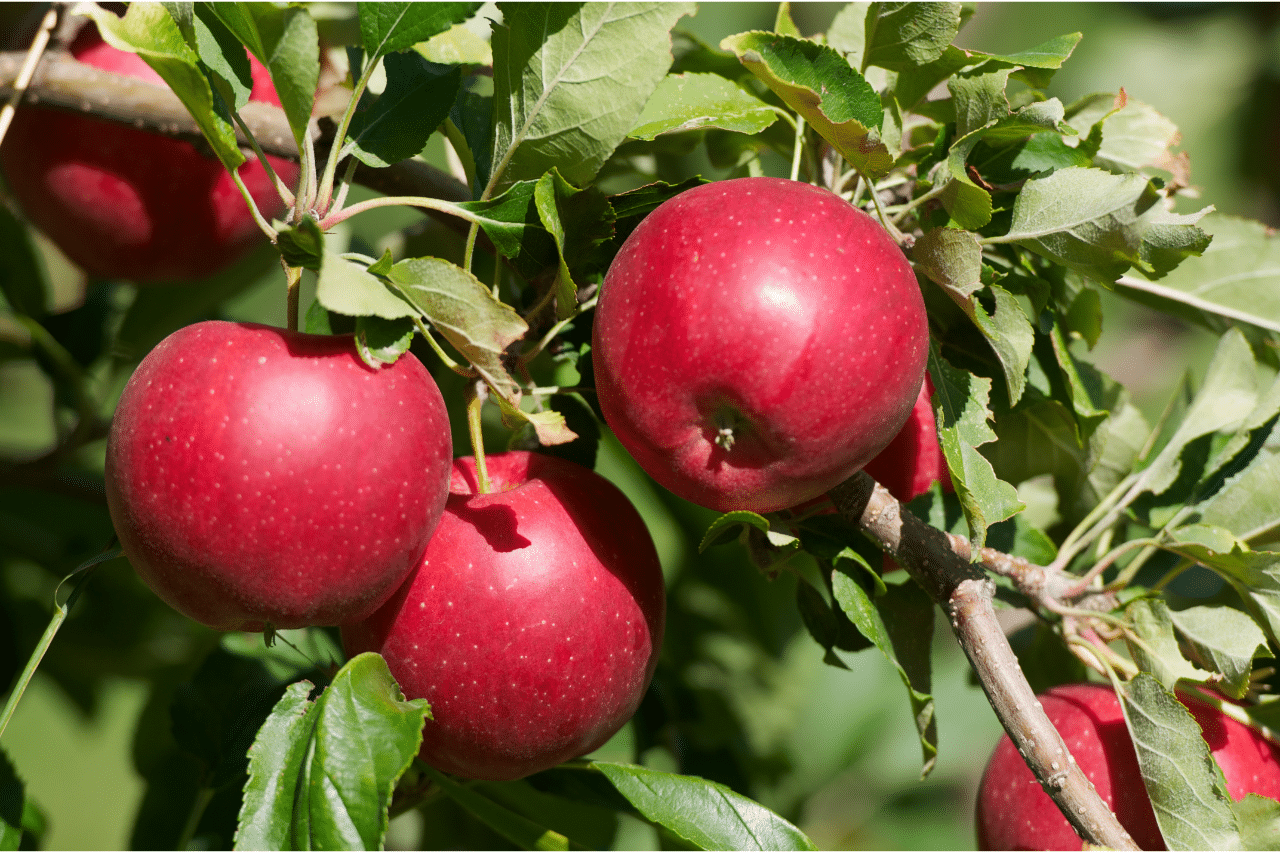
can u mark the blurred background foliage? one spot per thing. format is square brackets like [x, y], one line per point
[742, 694]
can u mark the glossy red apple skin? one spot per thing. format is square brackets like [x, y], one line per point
[770, 308]
[534, 623]
[123, 203]
[258, 476]
[1014, 813]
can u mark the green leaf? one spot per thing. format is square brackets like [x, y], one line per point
[547, 193]
[905, 35]
[1224, 640]
[706, 814]
[321, 773]
[900, 624]
[952, 258]
[554, 64]
[1237, 278]
[1186, 787]
[347, 287]
[1249, 505]
[302, 245]
[286, 41]
[1102, 224]
[516, 828]
[728, 527]
[1135, 137]
[1158, 651]
[22, 278]
[1225, 401]
[148, 30]
[1259, 820]
[818, 83]
[13, 803]
[392, 27]
[417, 98]
[962, 415]
[1255, 575]
[684, 102]
[380, 342]
[466, 313]
[549, 425]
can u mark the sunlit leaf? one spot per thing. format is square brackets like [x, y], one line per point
[684, 102]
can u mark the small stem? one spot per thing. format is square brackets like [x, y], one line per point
[798, 151]
[28, 70]
[293, 280]
[476, 393]
[60, 612]
[258, 218]
[459, 369]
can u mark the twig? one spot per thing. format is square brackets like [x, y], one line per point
[965, 593]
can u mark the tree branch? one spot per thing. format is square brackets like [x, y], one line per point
[965, 593]
[60, 82]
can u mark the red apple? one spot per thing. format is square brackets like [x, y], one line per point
[125, 203]
[258, 477]
[1014, 813]
[756, 342]
[533, 624]
[913, 461]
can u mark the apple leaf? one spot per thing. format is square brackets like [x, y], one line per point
[549, 189]
[466, 313]
[512, 221]
[220, 50]
[1259, 820]
[1255, 575]
[728, 527]
[952, 258]
[1224, 640]
[1237, 278]
[1188, 793]
[1101, 224]
[514, 827]
[962, 413]
[347, 287]
[900, 624]
[458, 45]
[549, 425]
[819, 84]
[22, 279]
[286, 41]
[1248, 505]
[692, 101]
[392, 27]
[1157, 650]
[979, 96]
[554, 64]
[322, 771]
[302, 245]
[1135, 137]
[906, 35]
[380, 342]
[13, 803]
[148, 30]
[1228, 396]
[706, 814]
[417, 98]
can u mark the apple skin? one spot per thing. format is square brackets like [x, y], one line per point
[534, 623]
[123, 203]
[259, 476]
[913, 461]
[1014, 813]
[765, 309]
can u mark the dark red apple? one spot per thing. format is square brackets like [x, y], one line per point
[1014, 813]
[913, 461]
[533, 624]
[258, 477]
[128, 204]
[756, 342]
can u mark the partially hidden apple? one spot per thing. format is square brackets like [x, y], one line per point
[123, 203]
[756, 342]
[913, 461]
[257, 476]
[1014, 813]
[533, 624]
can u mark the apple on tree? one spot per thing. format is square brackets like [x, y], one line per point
[756, 342]
[1014, 812]
[534, 622]
[257, 476]
[125, 203]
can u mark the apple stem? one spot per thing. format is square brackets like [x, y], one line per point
[476, 393]
[293, 280]
[941, 566]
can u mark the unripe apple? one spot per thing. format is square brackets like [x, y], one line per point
[125, 203]
[1014, 813]
[534, 623]
[756, 342]
[257, 476]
